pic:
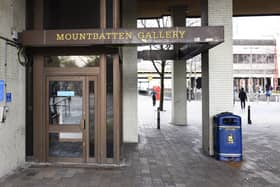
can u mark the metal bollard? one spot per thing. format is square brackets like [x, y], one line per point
[158, 118]
[249, 115]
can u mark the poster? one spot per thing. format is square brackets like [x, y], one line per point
[2, 90]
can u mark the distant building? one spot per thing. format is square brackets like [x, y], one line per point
[254, 63]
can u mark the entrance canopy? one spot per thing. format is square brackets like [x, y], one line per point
[185, 52]
[194, 40]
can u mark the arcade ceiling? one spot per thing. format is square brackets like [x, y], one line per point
[157, 8]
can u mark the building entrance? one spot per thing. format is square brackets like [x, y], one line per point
[76, 109]
[72, 120]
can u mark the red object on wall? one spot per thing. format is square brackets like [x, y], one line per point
[156, 89]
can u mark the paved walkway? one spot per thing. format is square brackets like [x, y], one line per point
[172, 156]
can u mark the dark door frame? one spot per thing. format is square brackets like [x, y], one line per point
[54, 74]
[40, 74]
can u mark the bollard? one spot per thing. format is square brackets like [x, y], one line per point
[249, 115]
[158, 118]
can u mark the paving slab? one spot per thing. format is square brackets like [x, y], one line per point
[172, 156]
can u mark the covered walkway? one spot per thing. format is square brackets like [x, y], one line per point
[172, 156]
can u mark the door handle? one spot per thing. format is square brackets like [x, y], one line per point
[83, 124]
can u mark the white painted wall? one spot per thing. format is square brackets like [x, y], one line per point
[217, 75]
[12, 131]
[278, 53]
[179, 94]
[130, 115]
[221, 59]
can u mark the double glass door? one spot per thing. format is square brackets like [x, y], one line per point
[72, 119]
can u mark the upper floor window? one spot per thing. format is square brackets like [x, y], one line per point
[71, 14]
[253, 58]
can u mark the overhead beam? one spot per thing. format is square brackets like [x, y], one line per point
[156, 55]
[186, 52]
[189, 51]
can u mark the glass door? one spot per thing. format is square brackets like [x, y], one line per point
[72, 119]
[78, 109]
[66, 119]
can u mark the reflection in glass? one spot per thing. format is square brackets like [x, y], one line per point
[109, 109]
[65, 102]
[71, 61]
[65, 145]
[91, 120]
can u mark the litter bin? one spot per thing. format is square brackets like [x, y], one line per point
[228, 137]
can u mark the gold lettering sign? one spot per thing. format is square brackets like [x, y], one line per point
[143, 36]
[59, 36]
[122, 36]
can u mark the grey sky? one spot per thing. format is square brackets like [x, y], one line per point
[256, 27]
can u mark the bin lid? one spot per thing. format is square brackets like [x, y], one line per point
[224, 114]
[227, 118]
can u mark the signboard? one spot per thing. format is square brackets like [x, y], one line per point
[8, 97]
[122, 36]
[119, 35]
[66, 93]
[2, 90]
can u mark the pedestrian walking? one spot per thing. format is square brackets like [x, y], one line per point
[268, 90]
[259, 91]
[243, 97]
[154, 98]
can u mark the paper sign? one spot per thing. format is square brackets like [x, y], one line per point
[8, 97]
[1, 114]
[66, 93]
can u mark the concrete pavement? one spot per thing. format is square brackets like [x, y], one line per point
[172, 156]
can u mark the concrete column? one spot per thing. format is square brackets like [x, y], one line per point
[179, 94]
[12, 131]
[217, 69]
[277, 48]
[130, 115]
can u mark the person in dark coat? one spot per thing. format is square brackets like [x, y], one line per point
[154, 98]
[243, 97]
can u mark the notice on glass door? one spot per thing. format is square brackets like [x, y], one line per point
[66, 93]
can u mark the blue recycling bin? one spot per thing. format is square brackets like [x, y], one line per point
[227, 137]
